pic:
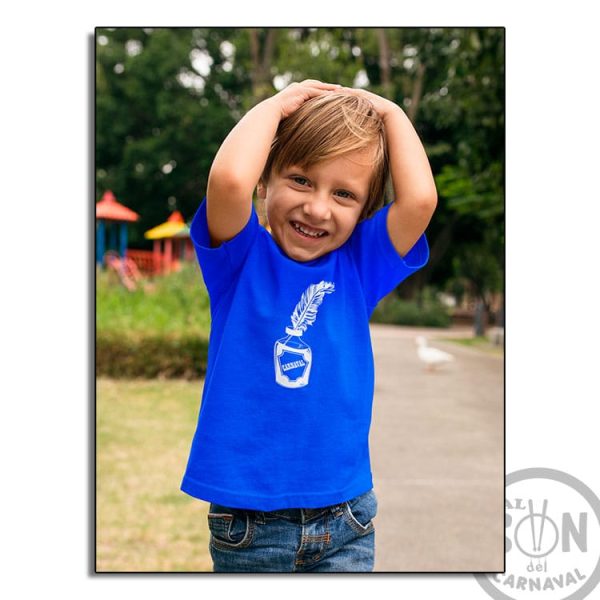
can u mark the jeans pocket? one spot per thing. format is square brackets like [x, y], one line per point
[230, 528]
[360, 511]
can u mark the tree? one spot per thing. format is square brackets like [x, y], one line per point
[159, 121]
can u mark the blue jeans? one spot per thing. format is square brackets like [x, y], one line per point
[338, 538]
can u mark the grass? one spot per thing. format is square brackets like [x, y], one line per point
[479, 343]
[143, 434]
[173, 304]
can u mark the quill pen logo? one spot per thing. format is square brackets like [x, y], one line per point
[293, 357]
[552, 538]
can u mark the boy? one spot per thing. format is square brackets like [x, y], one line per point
[281, 448]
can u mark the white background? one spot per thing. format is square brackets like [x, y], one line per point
[46, 314]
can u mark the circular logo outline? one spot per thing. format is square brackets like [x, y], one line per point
[578, 486]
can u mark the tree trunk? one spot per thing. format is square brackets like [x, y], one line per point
[262, 59]
[384, 63]
[500, 315]
[417, 92]
[262, 85]
[481, 317]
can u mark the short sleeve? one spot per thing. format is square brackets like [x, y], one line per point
[380, 267]
[220, 266]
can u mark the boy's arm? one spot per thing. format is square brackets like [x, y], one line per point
[241, 158]
[414, 187]
[236, 169]
[415, 195]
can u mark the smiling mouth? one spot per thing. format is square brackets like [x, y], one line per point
[307, 233]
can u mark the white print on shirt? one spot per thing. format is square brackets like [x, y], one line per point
[293, 358]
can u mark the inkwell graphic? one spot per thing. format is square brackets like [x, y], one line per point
[293, 357]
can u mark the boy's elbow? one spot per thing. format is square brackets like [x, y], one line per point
[225, 182]
[432, 202]
[427, 207]
[219, 177]
[428, 203]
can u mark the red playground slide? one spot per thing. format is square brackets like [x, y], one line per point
[127, 270]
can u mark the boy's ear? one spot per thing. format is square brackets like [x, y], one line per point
[261, 190]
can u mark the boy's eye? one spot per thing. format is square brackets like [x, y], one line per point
[302, 181]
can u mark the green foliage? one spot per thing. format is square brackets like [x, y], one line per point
[480, 264]
[155, 137]
[473, 195]
[318, 53]
[395, 311]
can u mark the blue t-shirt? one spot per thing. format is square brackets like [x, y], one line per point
[287, 400]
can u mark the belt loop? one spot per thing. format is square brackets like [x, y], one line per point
[337, 509]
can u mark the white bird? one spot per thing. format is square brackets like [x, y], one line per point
[432, 357]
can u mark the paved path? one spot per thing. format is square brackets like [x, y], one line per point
[437, 455]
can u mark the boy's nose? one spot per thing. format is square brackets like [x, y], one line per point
[317, 210]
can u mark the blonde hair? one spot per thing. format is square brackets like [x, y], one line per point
[329, 126]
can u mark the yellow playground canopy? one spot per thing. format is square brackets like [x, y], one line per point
[171, 242]
[167, 230]
[173, 227]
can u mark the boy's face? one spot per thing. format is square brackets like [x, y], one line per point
[325, 200]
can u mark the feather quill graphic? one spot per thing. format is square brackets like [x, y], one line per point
[306, 310]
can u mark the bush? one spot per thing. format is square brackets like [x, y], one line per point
[127, 356]
[395, 311]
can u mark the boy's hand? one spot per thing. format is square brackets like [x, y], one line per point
[296, 94]
[383, 106]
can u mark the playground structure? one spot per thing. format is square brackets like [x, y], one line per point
[172, 243]
[112, 217]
